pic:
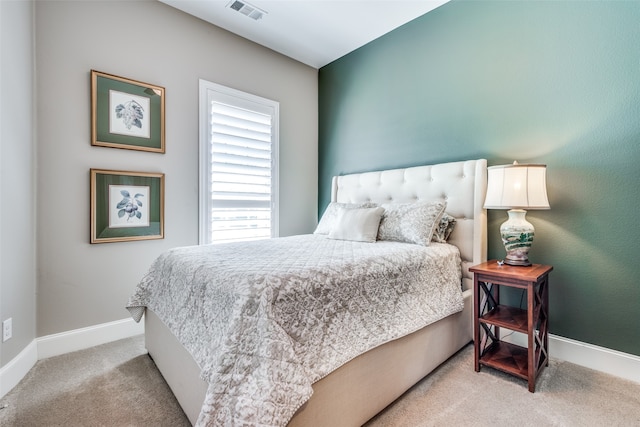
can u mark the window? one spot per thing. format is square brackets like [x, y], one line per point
[238, 165]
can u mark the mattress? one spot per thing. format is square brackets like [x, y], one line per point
[265, 320]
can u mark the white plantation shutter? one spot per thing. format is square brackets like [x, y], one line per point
[238, 165]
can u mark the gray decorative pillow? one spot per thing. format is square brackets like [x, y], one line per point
[410, 222]
[330, 215]
[360, 225]
[444, 228]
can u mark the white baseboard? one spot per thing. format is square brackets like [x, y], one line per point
[602, 359]
[79, 339]
[17, 368]
[591, 356]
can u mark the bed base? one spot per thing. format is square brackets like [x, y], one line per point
[351, 394]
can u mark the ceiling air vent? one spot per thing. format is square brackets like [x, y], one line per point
[247, 9]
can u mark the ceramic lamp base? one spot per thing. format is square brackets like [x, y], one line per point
[517, 236]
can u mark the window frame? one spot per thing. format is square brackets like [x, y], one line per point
[207, 91]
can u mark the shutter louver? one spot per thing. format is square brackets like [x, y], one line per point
[241, 181]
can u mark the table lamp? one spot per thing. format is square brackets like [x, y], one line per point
[517, 187]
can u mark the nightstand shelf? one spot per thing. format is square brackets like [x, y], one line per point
[507, 317]
[490, 316]
[507, 357]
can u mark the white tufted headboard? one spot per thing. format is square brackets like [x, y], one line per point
[461, 184]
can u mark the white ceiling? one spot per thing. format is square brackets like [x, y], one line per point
[314, 32]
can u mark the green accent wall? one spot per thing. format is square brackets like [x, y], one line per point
[535, 81]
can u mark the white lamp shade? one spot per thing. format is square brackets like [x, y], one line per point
[517, 186]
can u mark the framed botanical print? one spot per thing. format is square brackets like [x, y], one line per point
[126, 113]
[126, 206]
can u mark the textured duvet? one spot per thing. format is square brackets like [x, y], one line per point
[265, 320]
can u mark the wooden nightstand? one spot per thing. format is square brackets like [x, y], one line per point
[533, 321]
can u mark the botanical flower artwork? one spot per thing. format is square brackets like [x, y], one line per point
[128, 206]
[129, 114]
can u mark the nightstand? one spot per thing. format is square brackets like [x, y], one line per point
[533, 320]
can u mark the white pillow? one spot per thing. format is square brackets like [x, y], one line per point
[410, 222]
[330, 215]
[360, 225]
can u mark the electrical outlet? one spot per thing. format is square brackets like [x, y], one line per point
[7, 329]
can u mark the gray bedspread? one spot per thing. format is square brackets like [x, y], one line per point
[265, 320]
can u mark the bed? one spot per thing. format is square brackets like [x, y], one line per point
[353, 387]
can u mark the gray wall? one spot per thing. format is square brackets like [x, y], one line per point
[542, 82]
[17, 181]
[80, 284]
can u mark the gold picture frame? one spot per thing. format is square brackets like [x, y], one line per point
[126, 206]
[127, 113]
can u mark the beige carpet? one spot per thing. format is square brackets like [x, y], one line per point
[117, 384]
[114, 384]
[566, 395]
